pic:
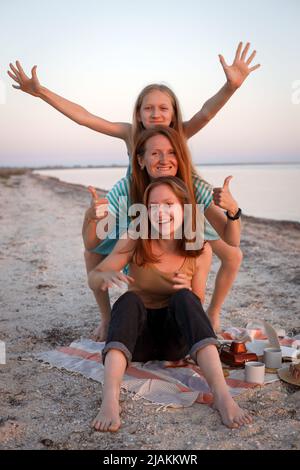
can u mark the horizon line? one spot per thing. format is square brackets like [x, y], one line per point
[116, 165]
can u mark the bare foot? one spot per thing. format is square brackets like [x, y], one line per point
[231, 414]
[108, 417]
[100, 333]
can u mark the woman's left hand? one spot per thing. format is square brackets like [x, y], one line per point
[181, 281]
[239, 70]
[222, 197]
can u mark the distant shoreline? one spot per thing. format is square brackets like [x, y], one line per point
[52, 182]
[85, 167]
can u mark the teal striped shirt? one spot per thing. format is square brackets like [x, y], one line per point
[119, 198]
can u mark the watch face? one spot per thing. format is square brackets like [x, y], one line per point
[236, 216]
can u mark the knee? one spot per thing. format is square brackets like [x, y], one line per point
[239, 256]
[92, 280]
[234, 258]
[129, 302]
[184, 304]
[129, 310]
[181, 296]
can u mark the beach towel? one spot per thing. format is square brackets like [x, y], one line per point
[167, 384]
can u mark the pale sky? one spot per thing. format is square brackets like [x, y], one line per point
[101, 54]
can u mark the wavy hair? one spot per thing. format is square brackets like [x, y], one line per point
[143, 251]
[140, 179]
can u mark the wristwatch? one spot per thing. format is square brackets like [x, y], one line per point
[236, 216]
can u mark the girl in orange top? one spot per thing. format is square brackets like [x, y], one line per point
[161, 316]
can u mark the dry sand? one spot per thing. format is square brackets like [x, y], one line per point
[45, 302]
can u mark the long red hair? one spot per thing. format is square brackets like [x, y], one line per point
[140, 178]
[143, 251]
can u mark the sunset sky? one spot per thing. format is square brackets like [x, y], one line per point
[101, 54]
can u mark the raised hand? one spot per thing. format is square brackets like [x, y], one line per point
[222, 197]
[239, 70]
[99, 206]
[30, 85]
[113, 279]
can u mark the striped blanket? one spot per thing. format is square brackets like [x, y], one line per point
[169, 384]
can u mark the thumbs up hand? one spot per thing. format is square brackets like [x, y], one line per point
[99, 206]
[222, 197]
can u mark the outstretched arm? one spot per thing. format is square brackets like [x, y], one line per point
[77, 113]
[107, 274]
[235, 75]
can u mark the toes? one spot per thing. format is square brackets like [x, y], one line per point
[242, 419]
[239, 420]
[96, 424]
[105, 425]
[114, 426]
[248, 419]
[233, 425]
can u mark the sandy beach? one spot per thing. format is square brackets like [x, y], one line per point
[45, 302]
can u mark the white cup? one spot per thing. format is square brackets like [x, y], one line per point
[273, 358]
[255, 372]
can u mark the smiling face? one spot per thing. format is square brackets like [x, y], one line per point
[165, 211]
[159, 158]
[156, 109]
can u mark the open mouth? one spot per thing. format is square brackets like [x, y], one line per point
[165, 221]
[164, 169]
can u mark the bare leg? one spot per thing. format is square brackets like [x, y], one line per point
[231, 414]
[102, 298]
[108, 417]
[231, 259]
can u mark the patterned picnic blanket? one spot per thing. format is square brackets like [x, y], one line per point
[169, 384]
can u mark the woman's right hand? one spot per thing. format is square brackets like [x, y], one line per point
[25, 83]
[99, 206]
[114, 279]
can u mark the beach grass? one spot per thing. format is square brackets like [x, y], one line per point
[6, 173]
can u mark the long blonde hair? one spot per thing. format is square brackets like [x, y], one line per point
[137, 125]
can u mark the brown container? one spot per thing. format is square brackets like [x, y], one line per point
[236, 355]
[238, 347]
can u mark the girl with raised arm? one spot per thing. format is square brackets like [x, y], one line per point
[156, 105]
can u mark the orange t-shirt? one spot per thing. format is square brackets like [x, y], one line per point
[153, 286]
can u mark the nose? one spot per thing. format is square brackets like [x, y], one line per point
[162, 157]
[154, 112]
[164, 211]
[159, 211]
